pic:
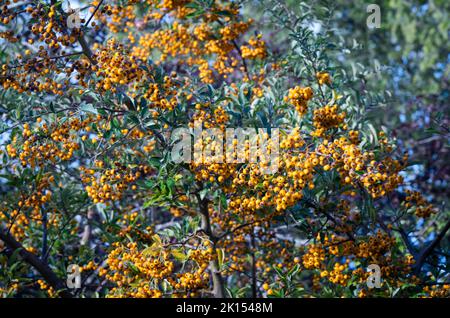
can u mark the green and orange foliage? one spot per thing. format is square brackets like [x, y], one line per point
[416, 201]
[89, 179]
[139, 270]
[43, 143]
[111, 183]
[195, 34]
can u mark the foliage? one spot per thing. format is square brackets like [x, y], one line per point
[88, 174]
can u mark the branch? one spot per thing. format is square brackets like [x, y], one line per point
[43, 268]
[87, 232]
[254, 271]
[86, 49]
[218, 283]
[407, 242]
[234, 230]
[93, 14]
[423, 255]
[238, 49]
[81, 40]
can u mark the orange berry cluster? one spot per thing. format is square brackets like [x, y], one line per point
[358, 167]
[199, 42]
[126, 267]
[375, 248]
[323, 78]
[109, 185]
[162, 96]
[28, 208]
[43, 143]
[255, 50]
[326, 118]
[415, 199]
[116, 67]
[139, 271]
[49, 289]
[299, 97]
[315, 256]
[437, 291]
[37, 68]
[336, 276]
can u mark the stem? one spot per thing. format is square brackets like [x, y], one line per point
[42, 267]
[238, 49]
[217, 279]
[84, 45]
[93, 14]
[86, 49]
[44, 235]
[423, 255]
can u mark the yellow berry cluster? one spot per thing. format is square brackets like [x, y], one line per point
[376, 247]
[47, 143]
[162, 96]
[131, 271]
[104, 186]
[337, 276]
[28, 208]
[139, 271]
[255, 50]
[49, 289]
[314, 257]
[116, 67]
[299, 97]
[358, 167]
[326, 118]
[35, 69]
[323, 78]
[415, 199]
[437, 291]
[199, 42]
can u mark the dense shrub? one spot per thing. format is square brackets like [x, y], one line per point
[95, 110]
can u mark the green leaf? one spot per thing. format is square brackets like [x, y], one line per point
[88, 108]
[220, 257]
[203, 193]
[179, 255]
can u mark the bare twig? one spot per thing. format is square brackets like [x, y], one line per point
[93, 14]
